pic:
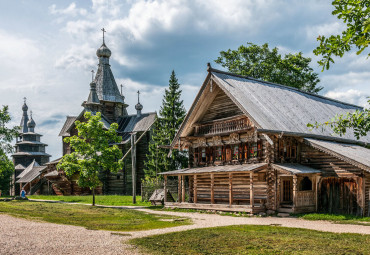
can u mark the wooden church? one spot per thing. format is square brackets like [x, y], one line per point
[106, 98]
[251, 151]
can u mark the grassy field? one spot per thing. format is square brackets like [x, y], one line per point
[99, 200]
[254, 240]
[342, 219]
[90, 217]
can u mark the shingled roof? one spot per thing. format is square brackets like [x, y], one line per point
[133, 123]
[277, 108]
[69, 122]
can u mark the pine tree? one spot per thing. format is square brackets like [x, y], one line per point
[171, 115]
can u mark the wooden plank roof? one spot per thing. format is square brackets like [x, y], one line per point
[351, 153]
[218, 169]
[32, 174]
[67, 124]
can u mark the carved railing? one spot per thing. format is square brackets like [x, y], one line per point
[222, 127]
[305, 198]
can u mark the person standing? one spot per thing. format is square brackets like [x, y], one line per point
[23, 193]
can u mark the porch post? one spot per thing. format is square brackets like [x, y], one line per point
[165, 189]
[195, 189]
[230, 189]
[212, 189]
[183, 188]
[317, 192]
[179, 189]
[251, 193]
[295, 179]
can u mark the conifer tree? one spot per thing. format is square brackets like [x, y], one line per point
[171, 115]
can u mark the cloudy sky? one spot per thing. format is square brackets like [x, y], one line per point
[48, 49]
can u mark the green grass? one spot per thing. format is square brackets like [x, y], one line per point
[336, 218]
[99, 200]
[90, 217]
[254, 240]
[233, 214]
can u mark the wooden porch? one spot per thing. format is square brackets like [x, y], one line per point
[240, 188]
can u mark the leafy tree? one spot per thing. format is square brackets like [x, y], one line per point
[171, 115]
[261, 62]
[358, 121]
[92, 151]
[6, 137]
[356, 15]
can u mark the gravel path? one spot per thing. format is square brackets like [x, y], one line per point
[23, 236]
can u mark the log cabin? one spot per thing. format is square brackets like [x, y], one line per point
[250, 150]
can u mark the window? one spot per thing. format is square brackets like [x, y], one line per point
[245, 151]
[204, 155]
[196, 156]
[236, 152]
[305, 184]
[218, 153]
[287, 149]
[253, 150]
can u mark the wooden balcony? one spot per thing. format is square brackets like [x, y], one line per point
[222, 126]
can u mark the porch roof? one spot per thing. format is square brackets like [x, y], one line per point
[295, 168]
[351, 153]
[218, 169]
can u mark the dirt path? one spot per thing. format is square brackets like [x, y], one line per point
[23, 236]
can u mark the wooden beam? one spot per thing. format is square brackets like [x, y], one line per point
[212, 188]
[317, 192]
[230, 189]
[295, 189]
[179, 189]
[195, 189]
[165, 189]
[251, 190]
[183, 188]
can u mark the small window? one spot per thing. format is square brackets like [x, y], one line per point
[118, 177]
[305, 184]
[218, 153]
[236, 152]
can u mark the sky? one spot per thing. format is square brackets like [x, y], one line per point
[48, 49]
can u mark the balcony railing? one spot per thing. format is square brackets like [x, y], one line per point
[222, 127]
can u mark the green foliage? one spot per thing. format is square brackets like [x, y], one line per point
[358, 121]
[6, 137]
[249, 239]
[93, 151]
[337, 218]
[97, 218]
[356, 15]
[262, 63]
[171, 115]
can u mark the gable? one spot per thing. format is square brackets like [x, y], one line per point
[221, 107]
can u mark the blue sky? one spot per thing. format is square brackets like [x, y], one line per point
[48, 49]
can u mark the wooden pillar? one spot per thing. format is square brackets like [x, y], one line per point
[231, 189]
[212, 188]
[165, 189]
[179, 189]
[251, 191]
[195, 189]
[133, 161]
[295, 189]
[317, 192]
[183, 188]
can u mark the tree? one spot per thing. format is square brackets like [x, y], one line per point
[262, 63]
[6, 137]
[92, 152]
[358, 121]
[355, 14]
[171, 115]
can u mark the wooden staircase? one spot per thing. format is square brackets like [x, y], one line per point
[285, 210]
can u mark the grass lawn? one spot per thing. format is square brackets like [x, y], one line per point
[342, 219]
[90, 217]
[254, 240]
[99, 200]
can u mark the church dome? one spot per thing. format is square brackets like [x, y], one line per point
[31, 123]
[138, 107]
[103, 51]
[24, 107]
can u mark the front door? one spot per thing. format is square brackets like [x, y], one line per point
[287, 190]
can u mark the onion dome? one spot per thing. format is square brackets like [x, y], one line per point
[25, 107]
[138, 107]
[103, 51]
[31, 123]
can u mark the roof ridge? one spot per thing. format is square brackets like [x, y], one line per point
[210, 69]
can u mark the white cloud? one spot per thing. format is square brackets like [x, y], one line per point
[351, 96]
[327, 29]
[71, 10]
[81, 56]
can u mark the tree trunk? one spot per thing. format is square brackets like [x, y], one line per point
[93, 191]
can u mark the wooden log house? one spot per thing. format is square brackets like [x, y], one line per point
[251, 151]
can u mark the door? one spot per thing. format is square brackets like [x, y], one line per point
[287, 190]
